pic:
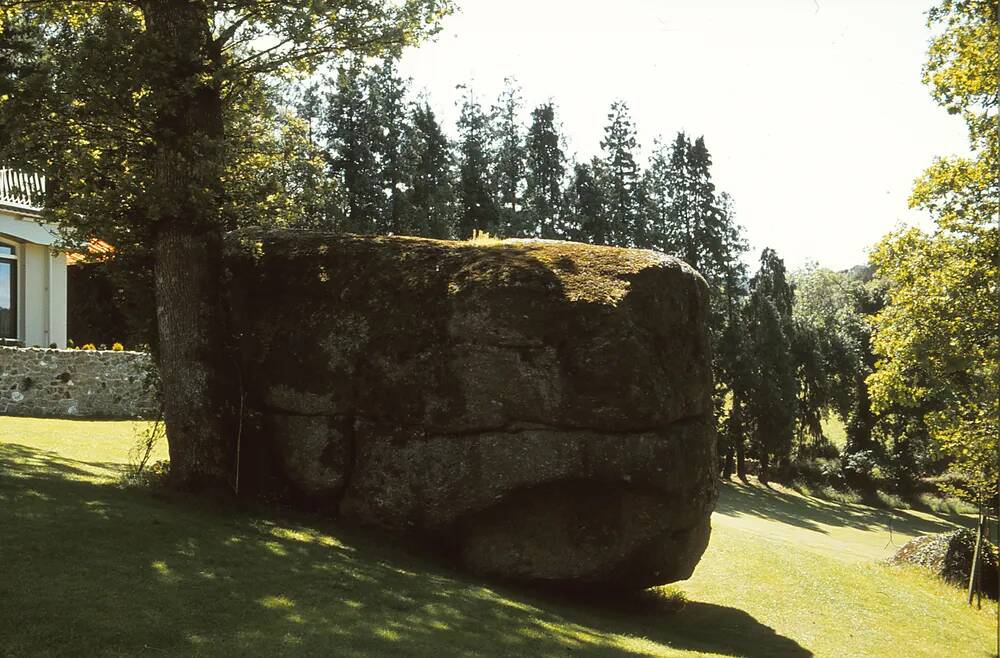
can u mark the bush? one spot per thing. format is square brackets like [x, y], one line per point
[139, 472]
[89, 346]
[949, 555]
[117, 347]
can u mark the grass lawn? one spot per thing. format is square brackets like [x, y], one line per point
[88, 568]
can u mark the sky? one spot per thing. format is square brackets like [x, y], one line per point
[813, 110]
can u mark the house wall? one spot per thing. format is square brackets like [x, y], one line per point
[41, 280]
[77, 384]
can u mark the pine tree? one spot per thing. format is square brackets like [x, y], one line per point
[387, 117]
[678, 232]
[479, 210]
[586, 205]
[657, 206]
[621, 176]
[728, 339]
[508, 171]
[431, 204]
[771, 392]
[707, 225]
[546, 169]
[689, 221]
[352, 143]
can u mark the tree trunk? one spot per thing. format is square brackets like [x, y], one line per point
[183, 202]
[741, 461]
[765, 463]
[727, 470]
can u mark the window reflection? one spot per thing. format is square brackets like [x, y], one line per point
[8, 291]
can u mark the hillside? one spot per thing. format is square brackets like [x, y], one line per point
[90, 568]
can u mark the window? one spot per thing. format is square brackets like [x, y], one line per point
[8, 291]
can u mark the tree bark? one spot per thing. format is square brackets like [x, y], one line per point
[741, 461]
[183, 201]
[727, 469]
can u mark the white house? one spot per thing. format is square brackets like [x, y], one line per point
[32, 273]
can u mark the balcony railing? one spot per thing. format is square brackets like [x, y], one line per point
[21, 190]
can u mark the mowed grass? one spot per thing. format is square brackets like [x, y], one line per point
[89, 568]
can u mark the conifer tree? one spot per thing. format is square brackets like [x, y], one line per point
[689, 221]
[479, 210]
[587, 205]
[658, 181]
[771, 391]
[621, 176]
[351, 126]
[431, 205]
[508, 171]
[546, 169]
[388, 116]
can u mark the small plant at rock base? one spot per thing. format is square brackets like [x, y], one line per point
[117, 347]
[88, 346]
[139, 471]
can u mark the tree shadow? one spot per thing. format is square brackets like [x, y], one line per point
[25, 460]
[739, 499]
[91, 568]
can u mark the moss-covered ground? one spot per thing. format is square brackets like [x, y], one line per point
[93, 569]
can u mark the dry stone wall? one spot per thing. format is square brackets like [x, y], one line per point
[52, 383]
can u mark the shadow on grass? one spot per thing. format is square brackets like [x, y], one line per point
[738, 499]
[92, 569]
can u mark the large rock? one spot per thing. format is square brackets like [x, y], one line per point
[543, 409]
[949, 556]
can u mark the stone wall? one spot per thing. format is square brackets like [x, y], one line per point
[76, 384]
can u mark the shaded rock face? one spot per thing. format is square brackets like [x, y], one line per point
[541, 409]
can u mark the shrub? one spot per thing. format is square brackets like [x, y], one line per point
[89, 346]
[117, 347]
[139, 472]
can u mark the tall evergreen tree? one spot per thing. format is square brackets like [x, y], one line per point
[546, 169]
[658, 183]
[621, 177]
[586, 205]
[431, 205]
[388, 117]
[350, 134]
[771, 394]
[728, 338]
[508, 171]
[686, 211]
[479, 210]
[707, 222]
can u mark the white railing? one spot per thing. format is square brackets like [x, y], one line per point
[20, 189]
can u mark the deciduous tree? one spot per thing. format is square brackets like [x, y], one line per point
[936, 339]
[128, 107]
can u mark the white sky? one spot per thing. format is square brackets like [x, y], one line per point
[813, 110]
